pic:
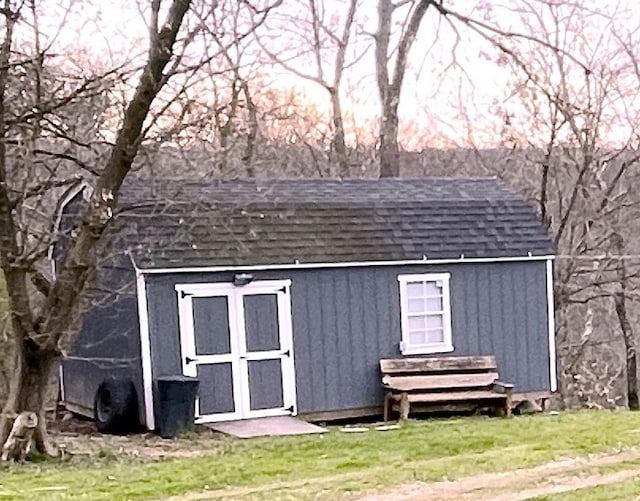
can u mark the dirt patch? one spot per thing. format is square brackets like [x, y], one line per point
[66, 422]
[79, 437]
[568, 485]
[527, 483]
[301, 488]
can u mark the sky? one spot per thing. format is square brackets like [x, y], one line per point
[454, 80]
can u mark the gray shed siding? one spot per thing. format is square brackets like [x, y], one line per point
[346, 319]
[108, 341]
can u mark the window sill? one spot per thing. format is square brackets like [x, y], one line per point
[427, 349]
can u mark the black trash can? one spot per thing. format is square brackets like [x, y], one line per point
[177, 404]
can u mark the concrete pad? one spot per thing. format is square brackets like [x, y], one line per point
[266, 426]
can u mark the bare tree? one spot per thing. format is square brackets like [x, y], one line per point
[324, 40]
[39, 330]
[390, 85]
[236, 112]
[216, 122]
[571, 128]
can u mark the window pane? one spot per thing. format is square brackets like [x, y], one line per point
[415, 289]
[416, 305]
[431, 289]
[423, 315]
[434, 321]
[416, 337]
[433, 304]
[435, 336]
[416, 323]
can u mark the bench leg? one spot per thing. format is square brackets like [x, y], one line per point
[505, 409]
[387, 404]
[404, 407]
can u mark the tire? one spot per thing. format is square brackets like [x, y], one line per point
[115, 407]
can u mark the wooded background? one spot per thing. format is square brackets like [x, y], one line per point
[543, 94]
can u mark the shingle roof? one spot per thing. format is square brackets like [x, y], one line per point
[171, 223]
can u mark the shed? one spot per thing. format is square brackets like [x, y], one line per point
[281, 296]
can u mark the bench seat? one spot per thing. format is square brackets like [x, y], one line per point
[466, 382]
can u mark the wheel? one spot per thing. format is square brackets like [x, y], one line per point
[116, 407]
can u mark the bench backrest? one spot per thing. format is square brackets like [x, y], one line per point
[438, 373]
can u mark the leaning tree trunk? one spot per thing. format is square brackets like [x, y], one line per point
[36, 338]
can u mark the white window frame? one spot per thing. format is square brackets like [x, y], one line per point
[406, 348]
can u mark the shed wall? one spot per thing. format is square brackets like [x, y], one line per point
[346, 319]
[108, 342]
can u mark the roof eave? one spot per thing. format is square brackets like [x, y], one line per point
[352, 264]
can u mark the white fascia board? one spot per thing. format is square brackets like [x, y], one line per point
[553, 376]
[145, 350]
[356, 264]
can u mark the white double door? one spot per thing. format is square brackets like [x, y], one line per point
[237, 341]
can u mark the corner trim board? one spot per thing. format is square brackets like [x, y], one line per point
[553, 376]
[145, 349]
[301, 266]
[61, 376]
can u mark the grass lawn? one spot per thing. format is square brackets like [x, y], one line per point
[336, 463]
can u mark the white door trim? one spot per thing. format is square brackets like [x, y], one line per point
[206, 289]
[281, 289]
[188, 347]
[288, 366]
[239, 357]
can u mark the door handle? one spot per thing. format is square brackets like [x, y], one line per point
[188, 360]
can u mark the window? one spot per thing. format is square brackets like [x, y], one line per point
[425, 313]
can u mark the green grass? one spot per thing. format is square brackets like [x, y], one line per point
[335, 463]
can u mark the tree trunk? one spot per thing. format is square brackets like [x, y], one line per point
[630, 351]
[620, 301]
[252, 134]
[389, 160]
[28, 386]
[390, 88]
[338, 142]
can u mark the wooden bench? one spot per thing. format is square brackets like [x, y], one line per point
[444, 383]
